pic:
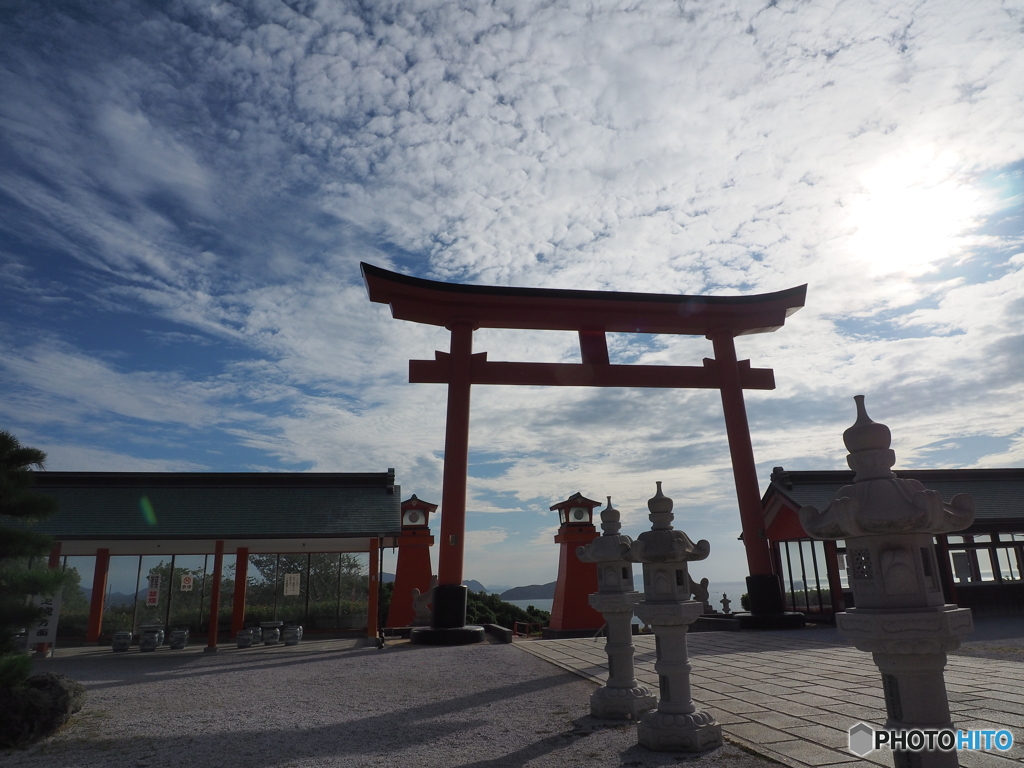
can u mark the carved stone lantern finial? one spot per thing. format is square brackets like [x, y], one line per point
[901, 616]
[610, 520]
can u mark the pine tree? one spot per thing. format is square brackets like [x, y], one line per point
[19, 545]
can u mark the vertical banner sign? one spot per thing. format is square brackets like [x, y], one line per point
[291, 584]
[153, 594]
[186, 582]
[45, 630]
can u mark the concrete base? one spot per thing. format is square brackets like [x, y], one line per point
[621, 703]
[788, 620]
[447, 636]
[664, 732]
[562, 634]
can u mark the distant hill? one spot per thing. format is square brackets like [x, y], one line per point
[532, 592]
[475, 586]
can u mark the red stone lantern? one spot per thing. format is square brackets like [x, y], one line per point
[413, 570]
[571, 614]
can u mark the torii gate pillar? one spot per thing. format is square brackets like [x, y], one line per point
[464, 308]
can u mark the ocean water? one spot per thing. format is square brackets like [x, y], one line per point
[732, 588]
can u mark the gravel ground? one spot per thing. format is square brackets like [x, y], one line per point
[329, 703]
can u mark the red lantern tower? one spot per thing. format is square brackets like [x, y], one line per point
[571, 614]
[413, 570]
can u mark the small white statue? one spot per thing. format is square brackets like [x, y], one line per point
[421, 604]
[726, 602]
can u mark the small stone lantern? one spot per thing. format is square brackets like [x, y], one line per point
[676, 725]
[622, 698]
[900, 615]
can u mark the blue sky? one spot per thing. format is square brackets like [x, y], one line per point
[187, 189]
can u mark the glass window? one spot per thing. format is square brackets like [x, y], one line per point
[186, 591]
[1008, 566]
[74, 606]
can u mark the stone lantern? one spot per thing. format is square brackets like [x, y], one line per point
[900, 615]
[571, 614]
[676, 725]
[623, 698]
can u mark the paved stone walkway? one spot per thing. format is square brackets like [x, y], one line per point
[791, 696]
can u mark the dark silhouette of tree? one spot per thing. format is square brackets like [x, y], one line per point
[20, 547]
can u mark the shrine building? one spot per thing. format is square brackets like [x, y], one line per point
[282, 534]
[980, 567]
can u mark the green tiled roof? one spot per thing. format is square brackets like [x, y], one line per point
[998, 493]
[109, 505]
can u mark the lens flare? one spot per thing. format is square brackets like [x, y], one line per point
[147, 510]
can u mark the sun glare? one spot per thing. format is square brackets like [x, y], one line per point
[913, 212]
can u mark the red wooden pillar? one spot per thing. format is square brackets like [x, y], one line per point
[835, 586]
[449, 601]
[99, 593]
[763, 586]
[52, 564]
[241, 583]
[374, 587]
[218, 567]
[456, 458]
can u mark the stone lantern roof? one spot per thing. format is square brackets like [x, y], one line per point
[878, 502]
[663, 543]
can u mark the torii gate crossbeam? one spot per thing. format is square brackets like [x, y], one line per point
[465, 308]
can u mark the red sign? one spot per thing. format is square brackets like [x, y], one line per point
[152, 598]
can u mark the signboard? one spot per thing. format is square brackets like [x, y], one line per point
[153, 593]
[291, 584]
[45, 630]
[186, 582]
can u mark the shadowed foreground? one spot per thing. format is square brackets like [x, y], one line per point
[327, 703]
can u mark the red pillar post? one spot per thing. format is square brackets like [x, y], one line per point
[53, 563]
[374, 590]
[449, 594]
[99, 594]
[763, 585]
[218, 566]
[241, 583]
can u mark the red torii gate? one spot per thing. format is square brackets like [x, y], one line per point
[465, 308]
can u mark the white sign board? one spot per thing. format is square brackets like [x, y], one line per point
[152, 598]
[186, 582]
[154, 581]
[291, 584]
[45, 630]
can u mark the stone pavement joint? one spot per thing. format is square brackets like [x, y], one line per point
[791, 698]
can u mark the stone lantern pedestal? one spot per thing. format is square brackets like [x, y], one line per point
[900, 617]
[623, 697]
[676, 725]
